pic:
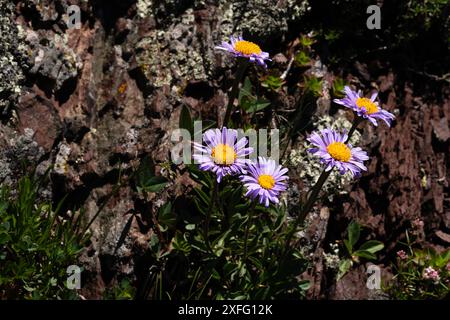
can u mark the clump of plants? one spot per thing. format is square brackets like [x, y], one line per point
[420, 273]
[355, 252]
[37, 244]
[232, 237]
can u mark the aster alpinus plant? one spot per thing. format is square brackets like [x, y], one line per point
[334, 150]
[239, 241]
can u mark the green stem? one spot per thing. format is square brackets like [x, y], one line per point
[247, 228]
[298, 116]
[242, 66]
[154, 217]
[355, 124]
[209, 213]
[308, 205]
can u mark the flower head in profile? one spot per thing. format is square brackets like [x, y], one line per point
[330, 146]
[365, 107]
[265, 180]
[242, 48]
[223, 154]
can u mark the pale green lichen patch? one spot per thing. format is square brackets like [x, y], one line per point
[144, 8]
[167, 56]
[11, 59]
[260, 18]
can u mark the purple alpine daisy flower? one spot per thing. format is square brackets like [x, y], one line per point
[333, 152]
[265, 179]
[222, 154]
[242, 48]
[365, 107]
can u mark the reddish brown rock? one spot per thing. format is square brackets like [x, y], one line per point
[39, 113]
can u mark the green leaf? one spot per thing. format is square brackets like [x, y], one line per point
[154, 243]
[344, 266]
[190, 226]
[185, 121]
[304, 285]
[229, 268]
[372, 246]
[247, 101]
[260, 105]
[354, 230]
[166, 217]
[146, 179]
[314, 85]
[348, 246]
[302, 59]
[155, 184]
[3, 207]
[333, 35]
[246, 90]
[180, 243]
[215, 274]
[206, 124]
[53, 281]
[256, 262]
[28, 288]
[365, 254]
[446, 255]
[4, 238]
[338, 87]
[273, 82]
[242, 271]
[218, 245]
[145, 171]
[306, 41]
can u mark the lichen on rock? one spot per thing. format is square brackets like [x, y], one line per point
[169, 55]
[20, 150]
[52, 58]
[11, 58]
[260, 19]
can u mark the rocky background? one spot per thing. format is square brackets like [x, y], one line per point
[92, 102]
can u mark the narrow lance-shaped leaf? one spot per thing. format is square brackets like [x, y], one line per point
[354, 231]
[372, 246]
[185, 121]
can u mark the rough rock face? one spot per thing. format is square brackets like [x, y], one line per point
[414, 184]
[103, 96]
[11, 58]
[99, 98]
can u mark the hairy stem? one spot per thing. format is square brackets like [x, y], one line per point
[242, 66]
[209, 213]
[355, 124]
[247, 228]
[308, 205]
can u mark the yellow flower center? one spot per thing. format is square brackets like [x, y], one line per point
[223, 154]
[339, 151]
[247, 47]
[370, 106]
[266, 181]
